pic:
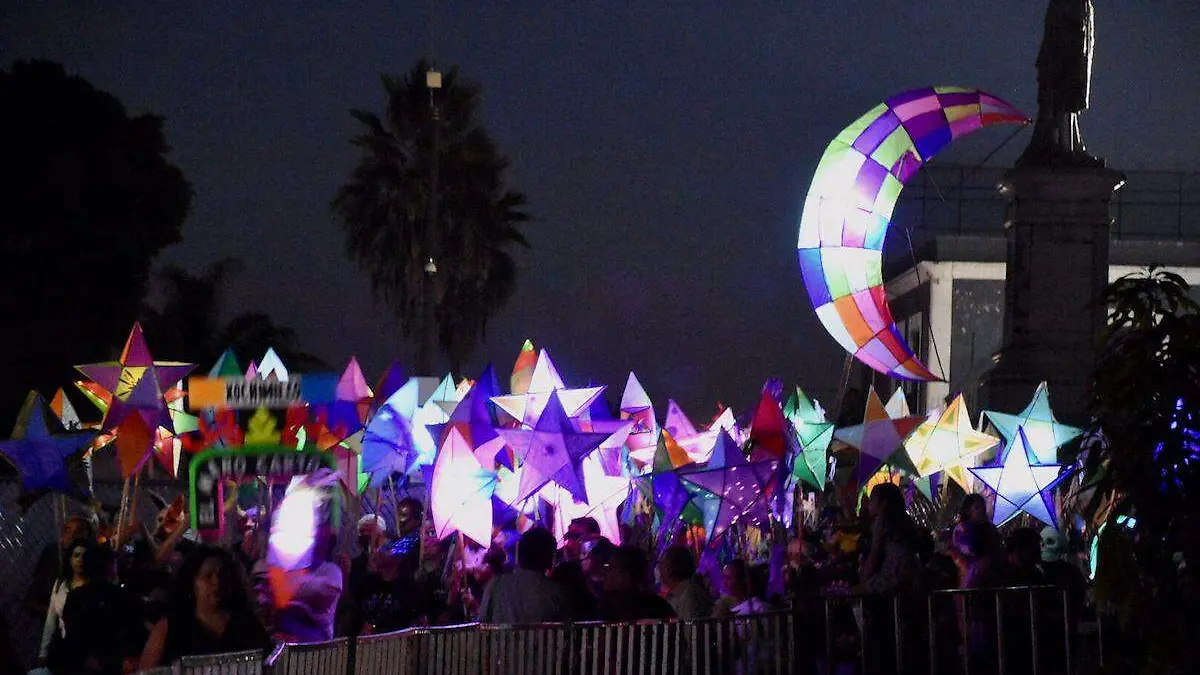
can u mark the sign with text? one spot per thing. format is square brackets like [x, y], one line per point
[212, 469]
[238, 393]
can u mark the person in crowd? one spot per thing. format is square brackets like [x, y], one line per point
[581, 603]
[596, 555]
[210, 612]
[687, 596]
[980, 555]
[1024, 547]
[626, 597]
[102, 622]
[410, 513]
[388, 597]
[70, 578]
[800, 577]
[973, 509]
[309, 614]
[736, 584]
[49, 564]
[253, 545]
[1055, 567]
[526, 595]
[891, 564]
[1067, 577]
[579, 532]
[372, 535]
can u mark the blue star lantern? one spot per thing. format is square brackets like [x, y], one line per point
[1021, 484]
[45, 455]
[1046, 435]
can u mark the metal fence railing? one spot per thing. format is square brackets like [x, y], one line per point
[1037, 630]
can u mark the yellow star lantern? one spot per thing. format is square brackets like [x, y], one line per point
[946, 441]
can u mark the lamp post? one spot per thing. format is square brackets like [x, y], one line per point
[428, 350]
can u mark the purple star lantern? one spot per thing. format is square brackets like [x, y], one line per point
[552, 450]
[47, 457]
[473, 418]
[741, 489]
[137, 383]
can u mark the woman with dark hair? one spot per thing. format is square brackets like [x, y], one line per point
[102, 621]
[973, 516]
[891, 564]
[70, 577]
[209, 612]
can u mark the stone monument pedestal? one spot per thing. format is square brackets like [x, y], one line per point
[1057, 229]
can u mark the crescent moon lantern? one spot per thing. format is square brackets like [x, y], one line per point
[849, 207]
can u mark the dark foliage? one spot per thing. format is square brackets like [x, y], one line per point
[186, 326]
[89, 200]
[1146, 404]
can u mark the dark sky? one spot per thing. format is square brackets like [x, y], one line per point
[665, 151]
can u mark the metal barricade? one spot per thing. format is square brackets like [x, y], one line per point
[236, 663]
[997, 631]
[1003, 631]
[385, 653]
[319, 658]
[538, 649]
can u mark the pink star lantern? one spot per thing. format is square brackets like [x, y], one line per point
[461, 491]
[636, 406]
[607, 494]
[545, 381]
[552, 450]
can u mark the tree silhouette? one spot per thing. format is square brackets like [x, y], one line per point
[89, 200]
[1145, 404]
[187, 323]
[427, 214]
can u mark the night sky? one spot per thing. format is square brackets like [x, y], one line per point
[665, 152]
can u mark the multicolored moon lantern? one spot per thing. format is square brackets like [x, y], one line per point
[850, 204]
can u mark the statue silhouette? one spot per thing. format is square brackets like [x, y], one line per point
[1064, 66]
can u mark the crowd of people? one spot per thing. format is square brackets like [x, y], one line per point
[160, 596]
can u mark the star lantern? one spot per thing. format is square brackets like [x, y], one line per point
[271, 367]
[1021, 484]
[947, 440]
[348, 412]
[387, 446]
[137, 384]
[47, 457]
[636, 406]
[473, 419]
[552, 451]
[446, 395]
[522, 371]
[606, 494]
[1043, 431]
[460, 491]
[768, 429]
[878, 438]
[814, 434]
[741, 491]
[392, 379]
[545, 381]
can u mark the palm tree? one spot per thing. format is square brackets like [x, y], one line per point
[427, 214]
